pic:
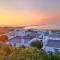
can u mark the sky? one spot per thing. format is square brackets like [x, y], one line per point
[29, 12]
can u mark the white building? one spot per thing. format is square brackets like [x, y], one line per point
[54, 36]
[52, 45]
[53, 42]
[16, 41]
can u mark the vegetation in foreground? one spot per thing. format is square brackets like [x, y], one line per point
[26, 53]
[34, 52]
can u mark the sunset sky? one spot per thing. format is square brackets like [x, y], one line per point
[29, 12]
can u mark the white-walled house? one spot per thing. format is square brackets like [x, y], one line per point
[54, 36]
[51, 42]
[16, 32]
[52, 45]
[31, 33]
[20, 32]
[45, 38]
[16, 41]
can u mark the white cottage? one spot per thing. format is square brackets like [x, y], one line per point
[51, 41]
[20, 32]
[54, 36]
[16, 41]
[52, 45]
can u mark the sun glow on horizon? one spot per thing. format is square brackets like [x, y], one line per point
[29, 12]
[9, 17]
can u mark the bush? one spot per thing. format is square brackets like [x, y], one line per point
[29, 53]
[38, 44]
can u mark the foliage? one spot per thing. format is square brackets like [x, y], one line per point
[26, 53]
[3, 38]
[37, 43]
[5, 51]
[29, 53]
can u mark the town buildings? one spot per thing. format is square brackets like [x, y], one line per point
[21, 36]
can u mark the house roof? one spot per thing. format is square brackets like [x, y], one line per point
[53, 43]
[55, 35]
[15, 39]
[46, 33]
[18, 39]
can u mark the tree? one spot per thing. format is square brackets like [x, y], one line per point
[5, 51]
[37, 43]
[3, 38]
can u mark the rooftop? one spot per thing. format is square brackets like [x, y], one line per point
[53, 43]
[55, 35]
